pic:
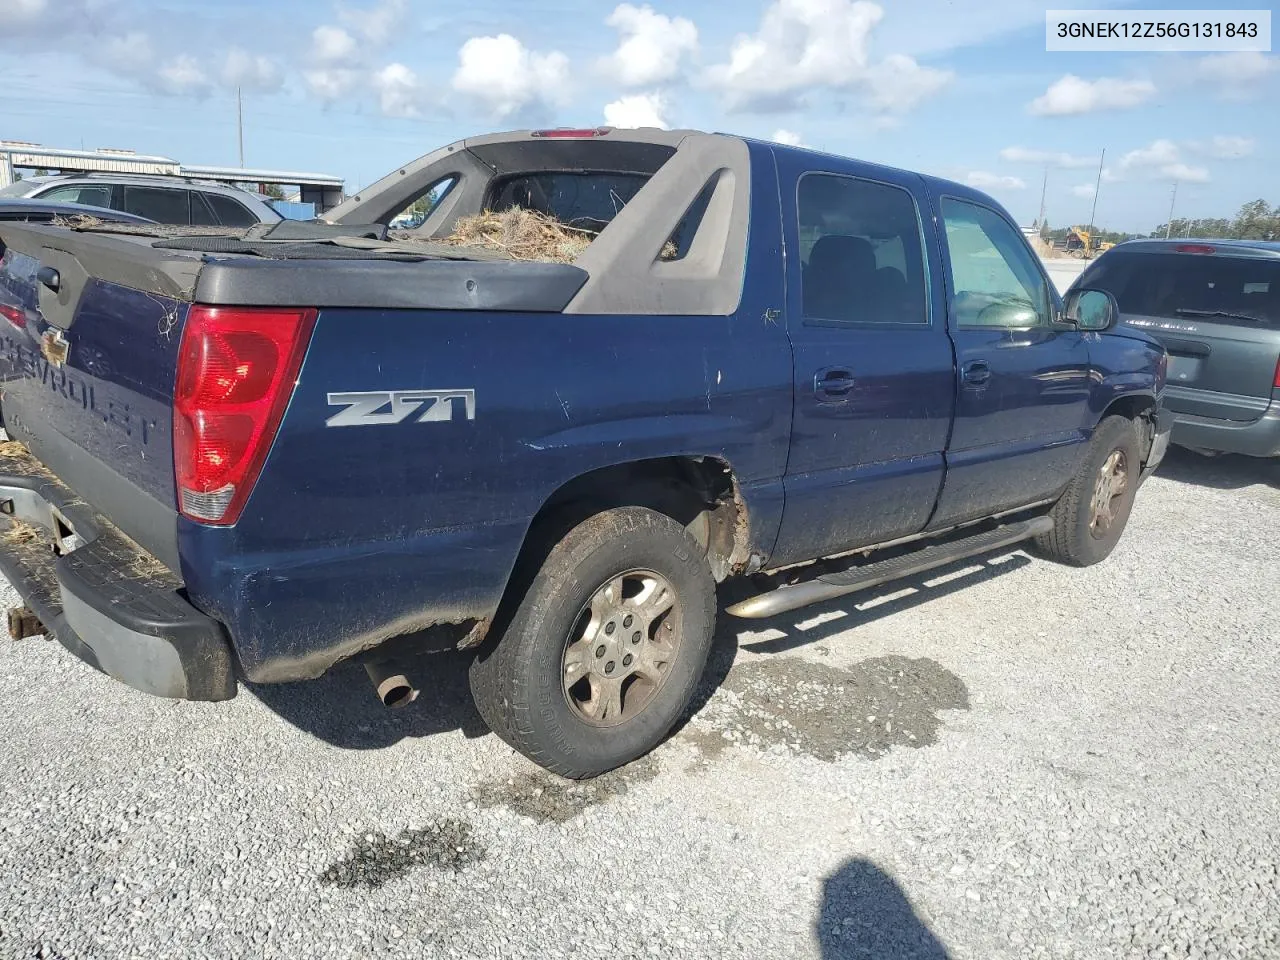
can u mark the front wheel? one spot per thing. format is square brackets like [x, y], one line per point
[606, 647]
[1091, 515]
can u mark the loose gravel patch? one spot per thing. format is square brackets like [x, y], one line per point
[1078, 764]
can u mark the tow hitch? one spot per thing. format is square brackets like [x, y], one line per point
[23, 623]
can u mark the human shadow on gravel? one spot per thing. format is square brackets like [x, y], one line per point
[1225, 472]
[837, 616]
[866, 914]
[342, 709]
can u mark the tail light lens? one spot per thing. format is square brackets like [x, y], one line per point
[237, 367]
[15, 315]
[1276, 383]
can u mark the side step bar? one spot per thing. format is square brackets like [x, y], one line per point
[828, 586]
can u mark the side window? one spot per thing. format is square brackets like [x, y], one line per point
[861, 252]
[995, 278]
[94, 196]
[230, 213]
[202, 214]
[157, 203]
[416, 213]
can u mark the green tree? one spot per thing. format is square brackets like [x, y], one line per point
[274, 191]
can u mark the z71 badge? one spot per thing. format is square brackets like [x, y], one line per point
[395, 406]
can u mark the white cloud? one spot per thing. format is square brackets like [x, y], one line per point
[1236, 75]
[330, 44]
[1157, 153]
[788, 137]
[1084, 190]
[808, 45]
[1074, 95]
[1222, 147]
[1185, 173]
[182, 74]
[400, 93]
[127, 53]
[19, 14]
[250, 71]
[379, 24]
[1045, 158]
[331, 83]
[993, 181]
[505, 77]
[652, 47]
[1162, 159]
[637, 110]
[898, 83]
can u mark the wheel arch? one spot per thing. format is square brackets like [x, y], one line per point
[1141, 408]
[700, 492]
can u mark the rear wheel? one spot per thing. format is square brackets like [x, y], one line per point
[603, 653]
[1091, 515]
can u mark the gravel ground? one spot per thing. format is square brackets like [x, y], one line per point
[1008, 759]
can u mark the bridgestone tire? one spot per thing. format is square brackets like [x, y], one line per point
[518, 682]
[1073, 540]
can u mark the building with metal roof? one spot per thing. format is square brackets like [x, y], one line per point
[323, 190]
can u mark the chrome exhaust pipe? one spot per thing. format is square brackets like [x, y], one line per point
[392, 686]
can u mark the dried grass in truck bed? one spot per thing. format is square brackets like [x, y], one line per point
[521, 234]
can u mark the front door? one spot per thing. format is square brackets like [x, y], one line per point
[1023, 385]
[874, 380]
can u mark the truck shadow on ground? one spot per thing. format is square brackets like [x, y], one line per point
[1226, 472]
[341, 708]
[866, 914]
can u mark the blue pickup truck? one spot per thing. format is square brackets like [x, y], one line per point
[254, 455]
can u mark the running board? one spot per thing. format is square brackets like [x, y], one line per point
[828, 586]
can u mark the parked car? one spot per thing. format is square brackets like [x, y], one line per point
[43, 211]
[1215, 305]
[763, 359]
[162, 199]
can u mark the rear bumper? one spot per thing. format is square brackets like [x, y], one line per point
[1257, 438]
[106, 600]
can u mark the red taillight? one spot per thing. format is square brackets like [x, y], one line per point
[15, 315]
[237, 367]
[1276, 383]
[1194, 248]
[568, 134]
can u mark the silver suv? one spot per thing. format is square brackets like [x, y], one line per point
[162, 199]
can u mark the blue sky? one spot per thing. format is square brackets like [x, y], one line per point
[964, 89]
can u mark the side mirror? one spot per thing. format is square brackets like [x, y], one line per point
[1091, 310]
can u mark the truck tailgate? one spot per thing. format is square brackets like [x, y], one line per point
[89, 369]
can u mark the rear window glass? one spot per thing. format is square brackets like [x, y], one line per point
[588, 201]
[1203, 287]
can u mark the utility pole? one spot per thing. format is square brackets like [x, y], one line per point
[1096, 188]
[240, 124]
[1043, 189]
[1172, 200]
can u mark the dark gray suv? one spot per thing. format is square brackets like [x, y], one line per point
[1215, 305]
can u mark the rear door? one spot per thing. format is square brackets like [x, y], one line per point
[874, 383]
[1023, 385]
[1217, 314]
[161, 204]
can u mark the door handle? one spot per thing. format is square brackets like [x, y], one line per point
[833, 383]
[976, 372]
